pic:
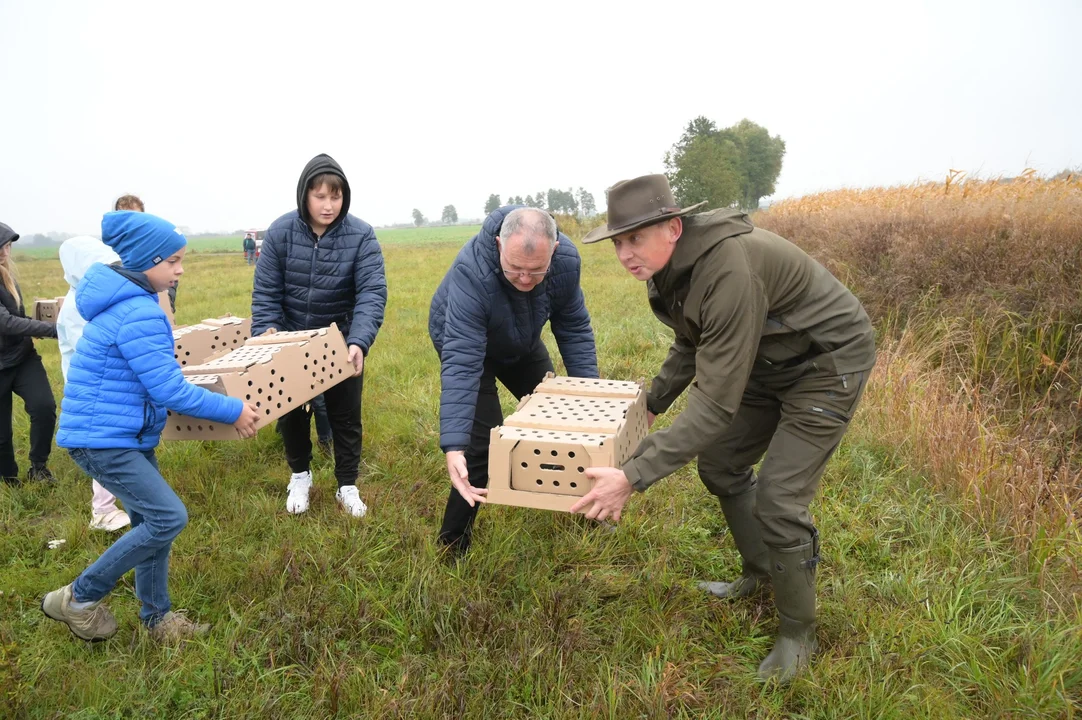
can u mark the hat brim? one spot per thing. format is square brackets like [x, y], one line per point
[604, 233]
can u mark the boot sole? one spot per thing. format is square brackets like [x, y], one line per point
[72, 630]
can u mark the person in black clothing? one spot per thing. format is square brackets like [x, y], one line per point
[22, 373]
[321, 265]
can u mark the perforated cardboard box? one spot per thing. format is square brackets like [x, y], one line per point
[195, 344]
[47, 309]
[276, 373]
[538, 457]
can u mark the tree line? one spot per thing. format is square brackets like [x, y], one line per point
[568, 202]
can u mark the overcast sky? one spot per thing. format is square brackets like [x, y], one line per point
[209, 110]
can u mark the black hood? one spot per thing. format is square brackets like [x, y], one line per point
[319, 165]
[7, 235]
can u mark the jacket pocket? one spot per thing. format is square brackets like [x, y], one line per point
[148, 411]
[829, 413]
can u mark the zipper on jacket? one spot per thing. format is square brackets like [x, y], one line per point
[311, 278]
[139, 435]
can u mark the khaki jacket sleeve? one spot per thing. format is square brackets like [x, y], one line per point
[732, 314]
[673, 378]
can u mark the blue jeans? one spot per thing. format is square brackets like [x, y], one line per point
[157, 517]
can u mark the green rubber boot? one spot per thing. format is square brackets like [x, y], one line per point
[739, 511]
[792, 570]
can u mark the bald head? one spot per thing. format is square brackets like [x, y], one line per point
[530, 229]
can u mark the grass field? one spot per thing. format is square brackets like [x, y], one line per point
[925, 610]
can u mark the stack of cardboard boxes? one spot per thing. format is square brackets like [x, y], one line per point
[276, 373]
[538, 457]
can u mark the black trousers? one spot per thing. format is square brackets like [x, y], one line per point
[344, 412]
[520, 378]
[29, 381]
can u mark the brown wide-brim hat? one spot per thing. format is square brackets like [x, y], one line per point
[637, 203]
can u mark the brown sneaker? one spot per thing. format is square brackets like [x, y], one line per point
[176, 626]
[93, 623]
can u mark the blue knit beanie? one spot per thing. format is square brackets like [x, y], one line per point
[140, 239]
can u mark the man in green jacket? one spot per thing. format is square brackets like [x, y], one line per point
[779, 351]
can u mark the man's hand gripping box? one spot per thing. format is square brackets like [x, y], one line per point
[538, 457]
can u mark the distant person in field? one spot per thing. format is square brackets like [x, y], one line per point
[249, 249]
[779, 351]
[22, 373]
[485, 322]
[77, 255]
[320, 265]
[121, 381]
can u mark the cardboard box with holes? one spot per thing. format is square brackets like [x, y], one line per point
[538, 457]
[47, 309]
[195, 344]
[276, 373]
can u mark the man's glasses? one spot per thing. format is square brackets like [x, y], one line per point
[531, 274]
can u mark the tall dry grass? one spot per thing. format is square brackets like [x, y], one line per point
[974, 287]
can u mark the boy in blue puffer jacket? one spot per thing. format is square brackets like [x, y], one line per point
[122, 378]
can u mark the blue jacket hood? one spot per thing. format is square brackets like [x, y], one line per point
[104, 286]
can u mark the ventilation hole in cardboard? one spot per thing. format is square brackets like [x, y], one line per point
[281, 391]
[540, 481]
[571, 454]
[536, 451]
[268, 411]
[332, 363]
[550, 466]
[259, 403]
[250, 383]
[289, 399]
[199, 428]
[306, 355]
[279, 405]
[581, 469]
[554, 453]
[333, 352]
[574, 485]
[326, 345]
[189, 428]
[555, 483]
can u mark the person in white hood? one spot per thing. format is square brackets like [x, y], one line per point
[76, 256]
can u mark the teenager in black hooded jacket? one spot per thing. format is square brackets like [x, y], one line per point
[22, 374]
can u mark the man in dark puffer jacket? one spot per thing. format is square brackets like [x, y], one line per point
[320, 265]
[485, 320]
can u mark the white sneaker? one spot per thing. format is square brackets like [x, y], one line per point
[110, 521]
[299, 485]
[350, 500]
